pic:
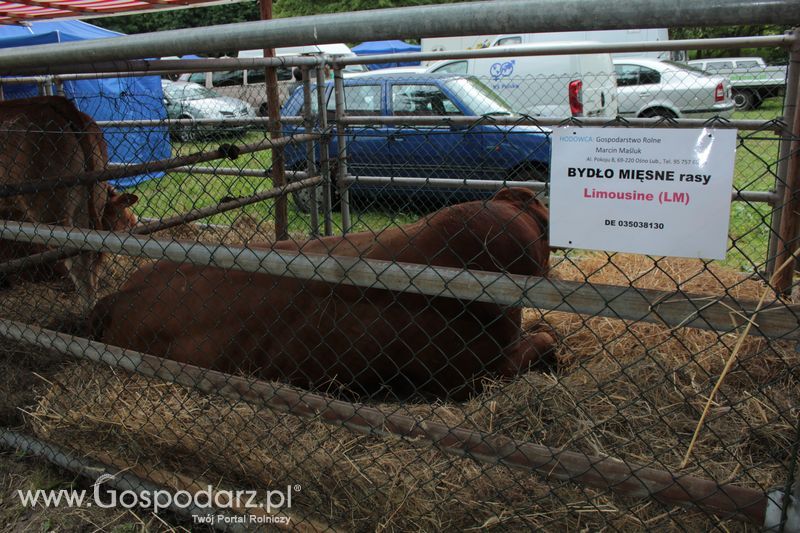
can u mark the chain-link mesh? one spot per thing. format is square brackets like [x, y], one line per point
[411, 374]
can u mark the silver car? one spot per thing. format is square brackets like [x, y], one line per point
[186, 100]
[652, 88]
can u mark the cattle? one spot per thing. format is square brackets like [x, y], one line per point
[46, 138]
[361, 341]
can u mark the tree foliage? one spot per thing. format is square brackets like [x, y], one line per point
[249, 10]
[243, 12]
[771, 55]
[297, 8]
[181, 18]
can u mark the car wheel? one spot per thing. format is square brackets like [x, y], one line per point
[184, 132]
[658, 112]
[744, 100]
[302, 198]
[263, 110]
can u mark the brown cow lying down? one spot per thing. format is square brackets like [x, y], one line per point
[369, 341]
[44, 138]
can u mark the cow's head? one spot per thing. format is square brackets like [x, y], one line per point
[117, 215]
[527, 202]
[534, 217]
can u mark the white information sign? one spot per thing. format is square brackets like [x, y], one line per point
[642, 190]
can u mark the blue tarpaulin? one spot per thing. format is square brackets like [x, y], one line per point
[102, 99]
[387, 47]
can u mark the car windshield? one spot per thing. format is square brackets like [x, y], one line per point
[480, 99]
[189, 92]
[356, 68]
[684, 66]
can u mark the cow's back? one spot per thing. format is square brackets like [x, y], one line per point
[42, 139]
[312, 333]
[45, 138]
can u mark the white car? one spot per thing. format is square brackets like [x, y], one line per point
[652, 88]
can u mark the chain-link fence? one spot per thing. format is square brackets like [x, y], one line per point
[409, 353]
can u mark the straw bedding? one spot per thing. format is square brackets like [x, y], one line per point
[632, 391]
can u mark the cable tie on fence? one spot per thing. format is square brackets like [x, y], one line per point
[717, 122]
[618, 121]
[229, 151]
[777, 125]
[571, 121]
[526, 117]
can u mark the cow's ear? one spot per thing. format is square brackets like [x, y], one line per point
[514, 194]
[125, 199]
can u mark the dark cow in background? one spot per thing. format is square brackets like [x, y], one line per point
[42, 139]
[369, 341]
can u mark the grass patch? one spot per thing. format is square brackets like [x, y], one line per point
[755, 170]
[179, 192]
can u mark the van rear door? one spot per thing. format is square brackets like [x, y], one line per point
[599, 85]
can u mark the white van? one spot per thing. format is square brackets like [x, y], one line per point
[576, 85]
[249, 85]
[434, 44]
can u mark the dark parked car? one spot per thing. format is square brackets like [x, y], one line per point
[478, 151]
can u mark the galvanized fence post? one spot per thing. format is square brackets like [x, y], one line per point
[789, 103]
[308, 119]
[341, 158]
[790, 163]
[324, 152]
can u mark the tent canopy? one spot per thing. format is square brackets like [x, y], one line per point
[102, 99]
[30, 10]
[387, 47]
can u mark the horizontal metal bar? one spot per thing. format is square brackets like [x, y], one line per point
[228, 151]
[228, 63]
[541, 49]
[766, 197]
[152, 226]
[244, 172]
[518, 120]
[606, 473]
[442, 20]
[26, 80]
[235, 203]
[146, 67]
[120, 479]
[445, 183]
[225, 171]
[237, 121]
[722, 314]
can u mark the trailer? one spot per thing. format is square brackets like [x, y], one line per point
[752, 80]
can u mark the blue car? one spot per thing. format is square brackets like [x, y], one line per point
[479, 151]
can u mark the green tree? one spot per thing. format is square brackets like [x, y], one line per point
[242, 12]
[298, 8]
[181, 18]
[771, 55]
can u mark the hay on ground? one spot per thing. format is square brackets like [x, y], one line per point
[632, 391]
